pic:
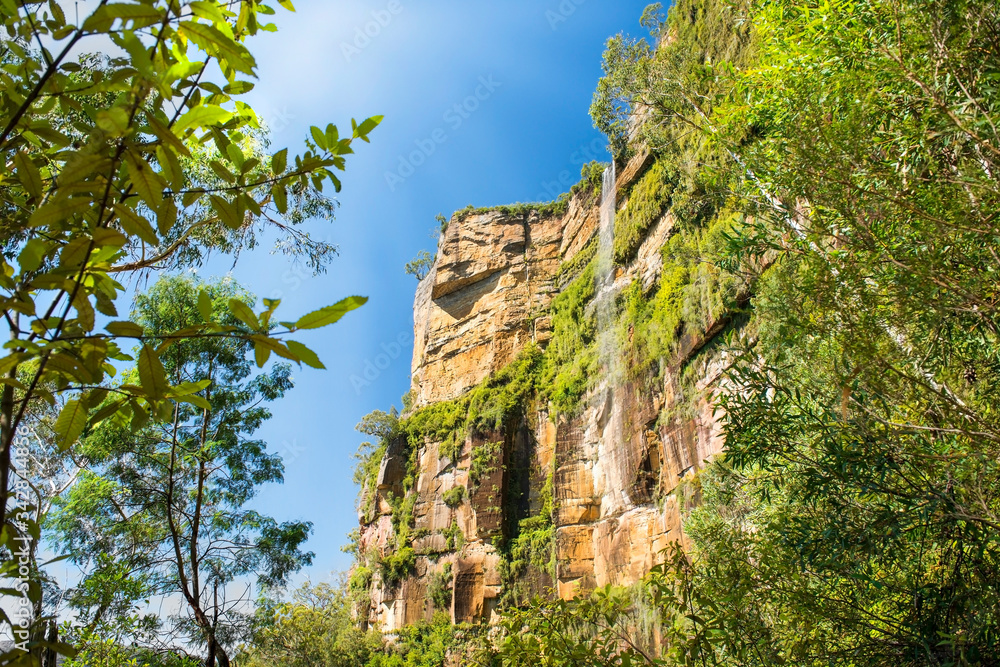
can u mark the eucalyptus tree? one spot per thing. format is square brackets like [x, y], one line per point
[115, 166]
[161, 509]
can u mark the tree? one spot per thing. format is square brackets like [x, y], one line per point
[121, 165]
[314, 628]
[161, 508]
[421, 265]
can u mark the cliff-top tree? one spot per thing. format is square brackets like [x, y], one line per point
[161, 508]
[112, 166]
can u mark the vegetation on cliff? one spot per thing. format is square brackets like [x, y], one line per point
[115, 168]
[831, 172]
[853, 520]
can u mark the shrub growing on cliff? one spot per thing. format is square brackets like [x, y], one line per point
[396, 565]
[484, 461]
[647, 201]
[421, 265]
[570, 358]
[439, 590]
[454, 497]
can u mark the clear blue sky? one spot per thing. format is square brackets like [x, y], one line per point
[534, 64]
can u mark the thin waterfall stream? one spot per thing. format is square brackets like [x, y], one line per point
[604, 277]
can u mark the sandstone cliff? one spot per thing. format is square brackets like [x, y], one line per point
[535, 501]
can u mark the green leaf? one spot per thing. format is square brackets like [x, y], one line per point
[221, 171]
[146, 182]
[243, 313]
[133, 11]
[195, 400]
[214, 42]
[31, 255]
[205, 305]
[107, 411]
[206, 115]
[280, 197]
[330, 314]
[261, 353]
[227, 212]
[275, 346]
[55, 212]
[70, 424]
[207, 10]
[11, 360]
[151, 373]
[136, 225]
[76, 252]
[126, 329]
[167, 136]
[364, 129]
[28, 174]
[238, 88]
[171, 167]
[279, 162]
[304, 354]
[84, 311]
[139, 416]
[318, 137]
[113, 121]
[187, 388]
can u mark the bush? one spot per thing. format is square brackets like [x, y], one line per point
[396, 566]
[484, 461]
[454, 497]
[439, 591]
[649, 198]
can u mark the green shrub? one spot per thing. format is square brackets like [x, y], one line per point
[570, 358]
[484, 461]
[647, 201]
[396, 566]
[454, 497]
[454, 537]
[439, 590]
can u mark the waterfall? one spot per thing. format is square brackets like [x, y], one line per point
[604, 277]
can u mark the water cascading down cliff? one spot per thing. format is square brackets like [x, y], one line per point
[545, 447]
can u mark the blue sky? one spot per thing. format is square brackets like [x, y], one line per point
[523, 73]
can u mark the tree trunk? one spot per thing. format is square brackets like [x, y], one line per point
[49, 657]
[217, 656]
[6, 445]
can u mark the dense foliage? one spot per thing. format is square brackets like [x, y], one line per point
[161, 508]
[853, 520]
[114, 168]
[831, 171]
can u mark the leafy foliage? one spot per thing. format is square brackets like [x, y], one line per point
[439, 591]
[421, 265]
[314, 626]
[647, 201]
[454, 497]
[116, 167]
[160, 509]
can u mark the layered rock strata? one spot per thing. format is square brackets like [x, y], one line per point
[616, 471]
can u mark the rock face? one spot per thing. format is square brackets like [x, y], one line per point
[616, 472]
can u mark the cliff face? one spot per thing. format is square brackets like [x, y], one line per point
[537, 501]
